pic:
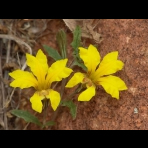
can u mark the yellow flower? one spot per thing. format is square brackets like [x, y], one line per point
[41, 79]
[96, 73]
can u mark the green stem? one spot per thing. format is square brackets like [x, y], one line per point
[62, 87]
[45, 111]
[78, 89]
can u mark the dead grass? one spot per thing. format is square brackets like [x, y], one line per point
[17, 36]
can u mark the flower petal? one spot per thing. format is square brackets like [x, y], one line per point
[36, 102]
[38, 66]
[87, 94]
[54, 97]
[112, 85]
[90, 56]
[42, 59]
[23, 79]
[77, 78]
[57, 71]
[109, 65]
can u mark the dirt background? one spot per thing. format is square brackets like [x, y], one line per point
[130, 112]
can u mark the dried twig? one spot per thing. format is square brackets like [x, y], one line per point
[19, 98]
[3, 93]
[1, 100]
[19, 41]
[18, 60]
[7, 59]
[26, 126]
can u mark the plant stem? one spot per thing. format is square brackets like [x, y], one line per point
[45, 111]
[58, 109]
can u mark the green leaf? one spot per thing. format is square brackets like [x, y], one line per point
[49, 123]
[62, 42]
[80, 65]
[75, 44]
[28, 117]
[76, 55]
[76, 38]
[71, 106]
[52, 53]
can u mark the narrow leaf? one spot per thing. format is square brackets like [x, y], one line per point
[71, 106]
[62, 42]
[76, 38]
[76, 44]
[80, 65]
[28, 117]
[53, 53]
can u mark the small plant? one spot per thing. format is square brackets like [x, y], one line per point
[94, 72]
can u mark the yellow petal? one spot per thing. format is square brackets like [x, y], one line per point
[23, 79]
[42, 59]
[38, 66]
[109, 65]
[87, 94]
[55, 98]
[90, 56]
[36, 102]
[112, 85]
[57, 71]
[77, 78]
[110, 57]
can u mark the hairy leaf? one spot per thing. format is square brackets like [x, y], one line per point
[53, 53]
[71, 106]
[28, 117]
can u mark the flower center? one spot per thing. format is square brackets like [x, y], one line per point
[43, 92]
[88, 82]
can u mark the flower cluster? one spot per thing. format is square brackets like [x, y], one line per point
[42, 76]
